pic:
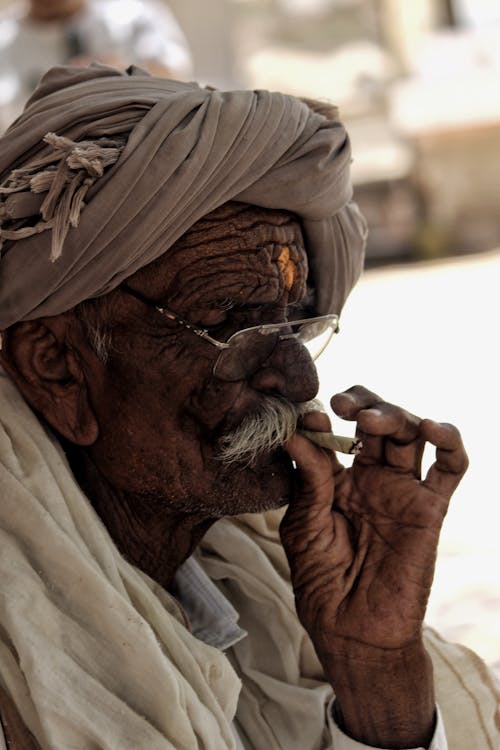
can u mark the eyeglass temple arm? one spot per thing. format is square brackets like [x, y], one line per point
[201, 332]
[204, 334]
[297, 334]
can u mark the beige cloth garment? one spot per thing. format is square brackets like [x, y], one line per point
[96, 655]
[93, 653]
[86, 218]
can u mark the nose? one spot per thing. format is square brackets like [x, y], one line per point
[288, 372]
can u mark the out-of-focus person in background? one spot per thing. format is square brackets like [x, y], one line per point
[38, 34]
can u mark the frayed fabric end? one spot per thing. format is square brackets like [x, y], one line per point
[61, 178]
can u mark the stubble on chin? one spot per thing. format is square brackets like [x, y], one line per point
[265, 484]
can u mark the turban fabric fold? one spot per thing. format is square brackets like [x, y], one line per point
[116, 166]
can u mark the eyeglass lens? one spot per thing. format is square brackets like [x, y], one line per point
[250, 348]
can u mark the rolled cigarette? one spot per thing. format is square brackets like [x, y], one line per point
[349, 445]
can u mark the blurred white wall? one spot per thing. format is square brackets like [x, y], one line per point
[405, 24]
[210, 28]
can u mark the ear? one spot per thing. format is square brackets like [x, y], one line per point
[50, 376]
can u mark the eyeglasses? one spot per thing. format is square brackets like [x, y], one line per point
[246, 350]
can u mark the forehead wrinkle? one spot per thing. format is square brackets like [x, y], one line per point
[218, 239]
[238, 221]
[224, 237]
[238, 276]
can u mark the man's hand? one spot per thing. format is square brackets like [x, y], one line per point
[362, 543]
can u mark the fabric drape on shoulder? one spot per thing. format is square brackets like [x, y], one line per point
[93, 653]
[179, 151]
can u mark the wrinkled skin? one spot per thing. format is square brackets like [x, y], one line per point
[144, 425]
[372, 551]
[159, 377]
[140, 431]
[361, 543]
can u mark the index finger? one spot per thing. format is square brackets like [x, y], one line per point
[376, 416]
[348, 403]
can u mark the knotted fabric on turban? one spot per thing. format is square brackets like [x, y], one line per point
[116, 166]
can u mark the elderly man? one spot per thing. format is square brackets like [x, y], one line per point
[168, 251]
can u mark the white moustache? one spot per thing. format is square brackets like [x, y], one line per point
[265, 430]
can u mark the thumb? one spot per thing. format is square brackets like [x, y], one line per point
[315, 466]
[314, 477]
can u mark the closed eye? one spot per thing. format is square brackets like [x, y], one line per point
[215, 319]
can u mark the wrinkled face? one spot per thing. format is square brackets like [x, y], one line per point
[160, 409]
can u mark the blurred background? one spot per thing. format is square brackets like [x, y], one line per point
[418, 87]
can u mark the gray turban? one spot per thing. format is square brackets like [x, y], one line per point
[105, 170]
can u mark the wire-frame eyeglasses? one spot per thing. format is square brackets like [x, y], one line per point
[246, 350]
